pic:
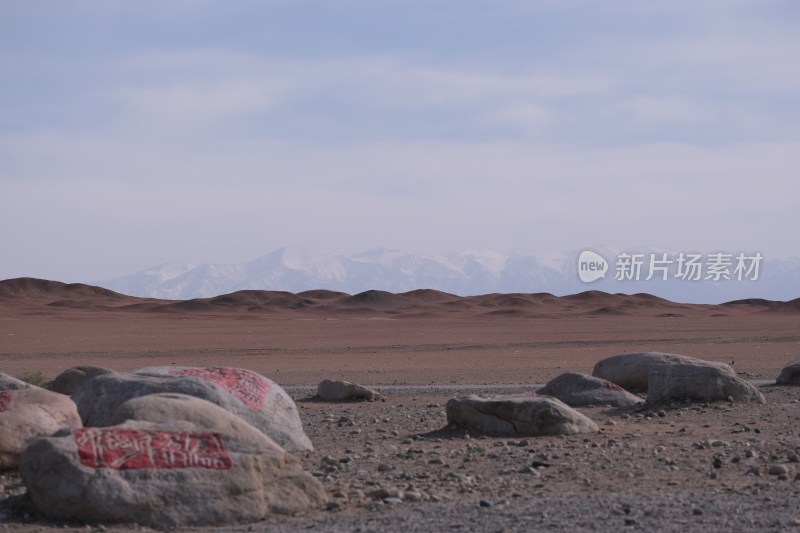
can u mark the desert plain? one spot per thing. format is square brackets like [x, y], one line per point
[393, 465]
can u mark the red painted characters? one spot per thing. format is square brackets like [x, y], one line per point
[130, 449]
[248, 387]
[5, 399]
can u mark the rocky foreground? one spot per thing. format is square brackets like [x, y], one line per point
[396, 466]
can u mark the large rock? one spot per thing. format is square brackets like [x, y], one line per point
[337, 391]
[27, 414]
[73, 379]
[173, 408]
[577, 390]
[11, 383]
[790, 375]
[167, 475]
[517, 416]
[631, 370]
[690, 382]
[256, 399]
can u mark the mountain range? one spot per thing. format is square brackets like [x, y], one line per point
[464, 273]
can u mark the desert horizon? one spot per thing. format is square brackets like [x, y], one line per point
[377, 337]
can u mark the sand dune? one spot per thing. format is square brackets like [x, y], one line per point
[56, 296]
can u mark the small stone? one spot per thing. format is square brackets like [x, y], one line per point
[333, 506]
[392, 500]
[384, 467]
[530, 470]
[777, 470]
[486, 503]
[412, 495]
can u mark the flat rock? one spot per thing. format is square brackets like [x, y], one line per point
[790, 374]
[73, 379]
[517, 416]
[11, 383]
[27, 414]
[166, 475]
[631, 371]
[337, 391]
[577, 390]
[256, 399]
[690, 382]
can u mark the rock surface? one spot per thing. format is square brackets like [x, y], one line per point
[631, 370]
[790, 374]
[172, 408]
[690, 382]
[517, 416]
[27, 414]
[577, 390]
[73, 379]
[11, 383]
[165, 475]
[336, 391]
[256, 399]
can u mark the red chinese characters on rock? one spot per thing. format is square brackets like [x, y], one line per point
[248, 387]
[5, 399]
[130, 449]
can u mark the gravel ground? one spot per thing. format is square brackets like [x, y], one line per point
[393, 466]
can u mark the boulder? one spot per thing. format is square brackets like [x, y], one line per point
[73, 379]
[577, 390]
[337, 391]
[172, 408]
[690, 382]
[631, 370]
[790, 375]
[167, 475]
[27, 414]
[517, 416]
[256, 399]
[11, 383]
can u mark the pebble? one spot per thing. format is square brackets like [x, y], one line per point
[777, 470]
[392, 500]
[486, 503]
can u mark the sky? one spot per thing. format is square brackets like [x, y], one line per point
[138, 133]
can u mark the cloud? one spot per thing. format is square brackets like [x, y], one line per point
[190, 106]
[665, 109]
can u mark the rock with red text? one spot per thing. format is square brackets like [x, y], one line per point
[167, 475]
[251, 396]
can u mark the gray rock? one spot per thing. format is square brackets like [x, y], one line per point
[337, 391]
[27, 414]
[253, 397]
[166, 475]
[517, 416]
[778, 470]
[11, 383]
[790, 374]
[73, 379]
[577, 390]
[170, 408]
[631, 371]
[691, 382]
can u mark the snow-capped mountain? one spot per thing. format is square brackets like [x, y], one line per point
[463, 273]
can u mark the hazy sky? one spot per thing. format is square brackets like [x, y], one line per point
[139, 132]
